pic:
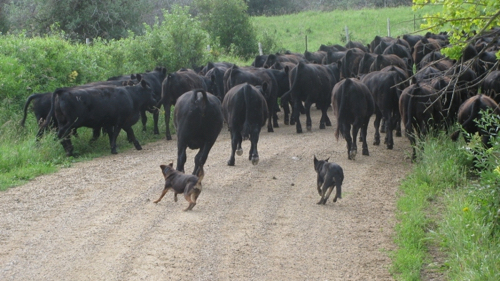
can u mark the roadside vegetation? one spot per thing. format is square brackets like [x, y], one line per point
[449, 207]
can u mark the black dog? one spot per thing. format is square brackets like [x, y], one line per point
[179, 182]
[330, 175]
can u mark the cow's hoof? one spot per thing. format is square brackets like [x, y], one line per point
[169, 137]
[389, 146]
[270, 130]
[287, 122]
[365, 152]
[239, 151]
[138, 146]
[322, 126]
[309, 128]
[276, 125]
[230, 163]
[376, 142]
[255, 161]
[398, 134]
[352, 154]
[299, 131]
[114, 152]
[382, 130]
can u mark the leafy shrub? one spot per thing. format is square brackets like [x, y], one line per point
[228, 25]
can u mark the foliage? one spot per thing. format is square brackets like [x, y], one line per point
[229, 26]
[463, 19]
[486, 164]
[78, 19]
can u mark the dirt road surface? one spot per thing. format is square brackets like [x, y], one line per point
[97, 220]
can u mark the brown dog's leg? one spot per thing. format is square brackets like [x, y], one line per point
[162, 194]
[175, 196]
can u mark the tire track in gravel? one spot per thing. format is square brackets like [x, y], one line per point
[96, 220]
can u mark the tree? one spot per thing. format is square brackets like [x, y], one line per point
[464, 20]
[78, 19]
[229, 25]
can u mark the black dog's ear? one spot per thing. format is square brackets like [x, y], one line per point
[327, 159]
[315, 160]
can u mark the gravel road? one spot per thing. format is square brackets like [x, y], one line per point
[97, 220]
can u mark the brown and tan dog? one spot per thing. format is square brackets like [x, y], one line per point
[179, 182]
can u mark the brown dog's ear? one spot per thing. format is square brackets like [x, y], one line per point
[162, 167]
[171, 164]
[327, 159]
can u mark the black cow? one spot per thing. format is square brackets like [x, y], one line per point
[295, 58]
[110, 108]
[216, 76]
[311, 83]
[491, 85]
[259, 60]
[422, 48]
[198, 121]
[154, 79]
[470, 112]
[382, 61]
[174, 85]
[41, 108]
[365, 63]
[245, 112]
[349, 64]
[354, 44]
[315, 57]
[420, 111]
[385, 88]
[256, 77]
[353, 105]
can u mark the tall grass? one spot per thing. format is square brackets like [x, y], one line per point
[445, 223]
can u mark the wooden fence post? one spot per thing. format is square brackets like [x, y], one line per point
[260, 49]
[388, 27]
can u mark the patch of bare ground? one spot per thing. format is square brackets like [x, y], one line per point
[96, 220]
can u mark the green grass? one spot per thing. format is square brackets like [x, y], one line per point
[22, 158]
[445, 222]
[329, 27]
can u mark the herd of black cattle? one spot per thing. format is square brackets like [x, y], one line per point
[357, 80]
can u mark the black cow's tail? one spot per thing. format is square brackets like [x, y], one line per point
[50, 115]
[294, 84]
[342, 107]
[247, 89]
[408, 113]
[204, 99]
[30, 98]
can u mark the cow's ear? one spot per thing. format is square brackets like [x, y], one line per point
[144, 84]
[139, 77]
[132, 76]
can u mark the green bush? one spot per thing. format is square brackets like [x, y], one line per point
[229, 26]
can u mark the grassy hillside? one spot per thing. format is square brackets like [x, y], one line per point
[329, 27]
